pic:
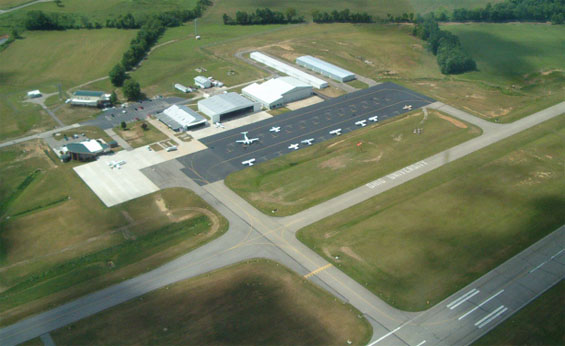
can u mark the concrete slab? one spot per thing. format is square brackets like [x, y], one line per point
[114, 186]
[304, 103]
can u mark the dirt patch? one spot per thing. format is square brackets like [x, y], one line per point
[336, 143]
[453, 121]
[397, 138]
[349, 252]
[545, 73]
[36, 149]
[274, 196]
[334, 163]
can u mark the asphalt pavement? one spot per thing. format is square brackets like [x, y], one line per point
[224, 155]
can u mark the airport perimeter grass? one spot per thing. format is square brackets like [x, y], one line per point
[539, 323]
[252, 303]
[137, 137]
[420, 242]
[18, 117]
[61, 242]
[301, 179]
[91, 132]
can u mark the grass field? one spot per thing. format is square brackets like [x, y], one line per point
[19, 117]
[137, 137]
[299, 180]
[61, 242]
[539, 323]
[428, 238]
[258, 302]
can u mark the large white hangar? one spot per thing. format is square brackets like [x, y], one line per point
[180, 118]
[277, 92]
[289, 70]
[325, 68]
[223, 106]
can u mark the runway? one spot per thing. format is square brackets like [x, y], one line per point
[225, 156]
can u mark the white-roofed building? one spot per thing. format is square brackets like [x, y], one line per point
[289, 70]
[222, 106]
[34, 94]
[277, 92]
[325, 68]
[202, 82]
[180, 118]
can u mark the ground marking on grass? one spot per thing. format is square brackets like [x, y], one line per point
[462, 299]
[423, 342]
[397, 174]
[314, 272]
[488, 318]
[478, 306]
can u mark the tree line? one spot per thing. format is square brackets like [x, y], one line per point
[512, 10]
[343, 16]
[451, 57]
[263, 16]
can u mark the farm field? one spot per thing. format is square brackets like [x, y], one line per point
[137, 137]
[453, 224]
[61, 242]
[302, 179]
[257, 302]
[539, 323]
[391, 53]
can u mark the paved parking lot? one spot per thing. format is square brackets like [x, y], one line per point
[224, 155]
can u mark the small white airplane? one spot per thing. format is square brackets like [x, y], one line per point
[361, 123]
[275, 129]
[408, 107]
[374, 119]
[219, 125]
[248, 162]
[293, 146]
[336, 132]
[116, 164]
[308, 141]
[246, 140]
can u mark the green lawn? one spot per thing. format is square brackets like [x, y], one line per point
[61, 242]
[137, 137]
[358, 84]
[19, 117]
[539, 323]
[428, 238]
[255, 303]
[91, 132]
[302, 179]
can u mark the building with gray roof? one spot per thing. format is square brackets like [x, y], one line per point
[325, 68]
[223, 106]
[180, 118]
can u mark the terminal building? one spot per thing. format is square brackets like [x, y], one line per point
[90, 98]
[289, 70]
[224, 106]
[277, 92]
[180, 118]
[325, 68]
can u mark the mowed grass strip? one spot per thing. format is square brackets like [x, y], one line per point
[302, 179]
[137, 137]
[418, 243]
[539, 323]
[258, 302]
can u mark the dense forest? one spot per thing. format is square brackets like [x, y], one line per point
[513, 10]
[451, 57]
[344, 16]
[263, 16]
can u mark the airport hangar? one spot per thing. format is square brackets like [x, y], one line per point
[180, 118]
[225, 156]
[229, 105]
[277, 92]
[325, 68]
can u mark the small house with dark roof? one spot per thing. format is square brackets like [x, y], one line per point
[87, 150]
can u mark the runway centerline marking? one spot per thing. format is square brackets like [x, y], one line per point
[478, 306]
[420, 344]
[316, 271]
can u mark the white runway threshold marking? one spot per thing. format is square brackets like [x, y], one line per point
[387, 335]
[463, 298]
[490, 317]
[478, 306]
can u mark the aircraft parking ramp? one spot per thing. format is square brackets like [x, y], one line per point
[225, 156]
